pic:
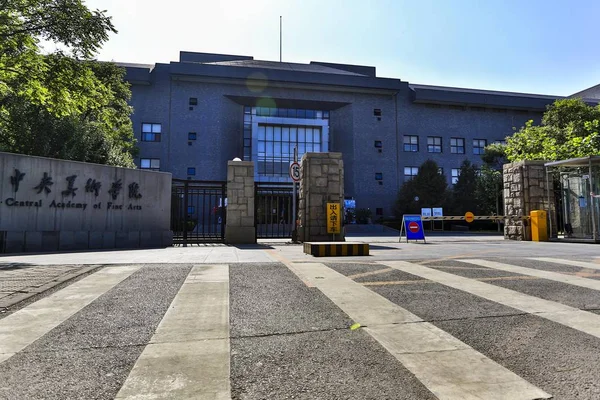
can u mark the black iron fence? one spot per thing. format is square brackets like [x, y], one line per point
[198, 211]
[274, 208]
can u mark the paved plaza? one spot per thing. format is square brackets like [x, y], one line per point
[466, 317]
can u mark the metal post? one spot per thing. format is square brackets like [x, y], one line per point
[185, 212]
[223, 210]
[497, 207]
[594, 233]
[295, 228]
[549, 207]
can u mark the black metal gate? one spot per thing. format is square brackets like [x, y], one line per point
[198, 211]
[273, 204]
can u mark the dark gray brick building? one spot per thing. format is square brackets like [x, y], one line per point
[193, 115]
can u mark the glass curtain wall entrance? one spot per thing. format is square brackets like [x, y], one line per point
[271, 134]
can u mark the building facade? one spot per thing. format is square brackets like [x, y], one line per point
[192, 116]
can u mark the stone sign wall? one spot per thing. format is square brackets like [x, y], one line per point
[321, 182]
[524, 191]
[48, 205]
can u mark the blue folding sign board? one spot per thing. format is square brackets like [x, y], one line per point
[413, 226]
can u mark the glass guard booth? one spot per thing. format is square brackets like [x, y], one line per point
[576, 184]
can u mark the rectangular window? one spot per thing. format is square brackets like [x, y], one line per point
[191, 171]
[410, 172]
[191, 210]
[457, 146]
[378, 176]
[276, 146]
[378, 144]
[441, 170]
[500, 141]
[379, 211]
[479, 146]
[192, 136]
[377, 112]
[434, 144]
[151, 132]
[411, 143]
[455, 175]
[150, 163]
[193, 101]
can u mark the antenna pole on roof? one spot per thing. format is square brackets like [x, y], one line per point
[280, 38]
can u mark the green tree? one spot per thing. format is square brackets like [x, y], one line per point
[488, 191]
[62, 104]
[428, 185]
[569, 129]
[465, 189]
[494, 155]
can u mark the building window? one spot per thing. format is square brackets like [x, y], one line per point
[410, 172]
[288, 113]
[434, 144]
[378, 176]
[479, 146]
[193, 101]
[247, 133]
[378, 144]
[455, 175]
[379, 211]
[192, 136]
[276, 146]
[411, 143]
[377, 112]
[441, 170]
[457, 146]
[150, 163]
[191, 171]
[151, 132]
[191, 210]
[500, 141]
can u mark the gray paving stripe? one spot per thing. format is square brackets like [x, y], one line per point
[22, 328]
[575, 263]
[569, 316]
[268, 299]
[89, 355]
[552, 276]
[446, 366]
[291, 341]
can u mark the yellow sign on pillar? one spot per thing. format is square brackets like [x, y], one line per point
[334, 219]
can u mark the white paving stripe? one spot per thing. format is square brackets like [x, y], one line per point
[449, 368]
[188, 356]
[573, 263]
[583, 321]
[27, 325]
[539, 273]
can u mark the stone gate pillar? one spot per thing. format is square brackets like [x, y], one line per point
[525, 191]
[321, 182]
[239, 227]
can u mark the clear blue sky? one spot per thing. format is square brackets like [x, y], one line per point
[536, 46]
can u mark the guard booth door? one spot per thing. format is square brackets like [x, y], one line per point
[577, 203]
